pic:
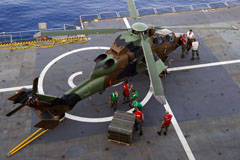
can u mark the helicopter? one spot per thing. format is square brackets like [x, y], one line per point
[142, 48]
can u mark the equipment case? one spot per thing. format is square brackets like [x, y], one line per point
[121, 127]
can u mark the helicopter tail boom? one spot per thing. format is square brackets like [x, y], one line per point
[48, 108]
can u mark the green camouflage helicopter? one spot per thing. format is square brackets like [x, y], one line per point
[142, 48]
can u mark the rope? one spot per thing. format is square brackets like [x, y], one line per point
[49, 43]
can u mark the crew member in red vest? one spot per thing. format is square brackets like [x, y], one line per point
[183, 43]
[165, 123]
[126, 90]
[139, 117]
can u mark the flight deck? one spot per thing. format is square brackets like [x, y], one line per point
[203, 96]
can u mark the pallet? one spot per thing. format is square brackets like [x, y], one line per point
[119, 142]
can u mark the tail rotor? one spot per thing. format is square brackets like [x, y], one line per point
[24, 97]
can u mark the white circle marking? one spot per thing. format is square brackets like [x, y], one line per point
[70, 79]
[73, 117]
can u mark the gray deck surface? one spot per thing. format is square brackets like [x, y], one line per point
[205, 101]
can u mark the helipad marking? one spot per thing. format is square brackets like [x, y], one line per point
[145, 100]
[105, 119]
[117, 84]
[203, 65]
[169, 69]
[72, 85]
[67, 115]
[46, 68]
[126, 23]
[180, 133]
[14, 88]
[70, 79]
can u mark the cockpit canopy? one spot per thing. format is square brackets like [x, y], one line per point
[163, 36]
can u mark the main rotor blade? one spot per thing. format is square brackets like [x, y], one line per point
[35, 85]
[15, 110]
[198, 27]
[132, 9]
[84, 31]
[152, 71]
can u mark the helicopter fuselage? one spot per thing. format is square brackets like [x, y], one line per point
[123, 60]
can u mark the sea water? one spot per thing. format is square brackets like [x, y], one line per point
[21, 15]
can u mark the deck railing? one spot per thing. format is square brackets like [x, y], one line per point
[6, 37]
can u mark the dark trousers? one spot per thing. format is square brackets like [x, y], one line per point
[183, 50]
[189, 44]
[193, 53]
[164, 129]
[138, 125]
[114, 104]
[126, 99]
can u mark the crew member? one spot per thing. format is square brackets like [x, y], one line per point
[134, 95]
[114, 100]
[126, 90]
[139, 118]
[165, 123]
[195, 46]
[137, 105]
[183, 43]
[190, 38]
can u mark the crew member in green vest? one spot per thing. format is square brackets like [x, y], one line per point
[114, 100]
[137, 105]
[134, 95]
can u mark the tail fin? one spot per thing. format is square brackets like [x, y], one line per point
[46, 107]
[43, 105]
[21, 96]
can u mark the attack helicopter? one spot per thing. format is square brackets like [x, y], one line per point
[142, 48]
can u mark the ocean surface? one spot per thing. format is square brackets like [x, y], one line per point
[22, 15]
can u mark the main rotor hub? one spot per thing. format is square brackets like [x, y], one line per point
[139, 27]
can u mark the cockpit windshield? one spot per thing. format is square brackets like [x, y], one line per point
[170, 38]
[158, 39]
